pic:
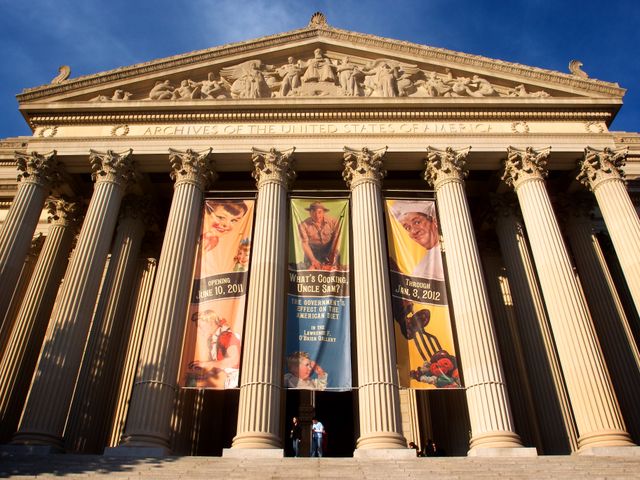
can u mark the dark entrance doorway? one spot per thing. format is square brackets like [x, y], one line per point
[336, 412]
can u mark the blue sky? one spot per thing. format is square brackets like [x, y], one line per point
[37, 36]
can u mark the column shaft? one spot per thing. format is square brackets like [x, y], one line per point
[99, 370]
[489, 410]
[19, 360]
[515, 370]
[130, 350]
[47, 406]
[553, 409]
[154, 391]
[259, 408]
[601, 171]
[596, 410]
[37, 174]
[610, 321]
[378, 396]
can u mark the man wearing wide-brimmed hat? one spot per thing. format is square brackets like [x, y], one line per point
[319, 235]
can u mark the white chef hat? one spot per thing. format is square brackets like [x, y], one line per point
[402, 207]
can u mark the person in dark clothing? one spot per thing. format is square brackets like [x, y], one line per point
[296, 436]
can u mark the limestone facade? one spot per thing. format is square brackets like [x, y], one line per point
[502, 148]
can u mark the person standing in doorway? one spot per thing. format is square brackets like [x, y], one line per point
[296, 436]
[317, 430]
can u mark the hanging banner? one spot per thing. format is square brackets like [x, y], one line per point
[424, 341]
[213, 336]
[318, 353]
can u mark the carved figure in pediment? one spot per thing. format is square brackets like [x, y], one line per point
[350, 77]
[212, 88]
[290, 74]
[434, 86]
[319, 69]
[521, 91]
[162, 90]
[386, 78]
[188, 90]
[483, 87]
[119, 95]
[248, 80]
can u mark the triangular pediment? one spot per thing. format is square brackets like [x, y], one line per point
[318, 62]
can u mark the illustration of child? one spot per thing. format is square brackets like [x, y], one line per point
[242, 257]
[301, 369]
[221, 217]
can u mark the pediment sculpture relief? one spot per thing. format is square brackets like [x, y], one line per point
[324, 76]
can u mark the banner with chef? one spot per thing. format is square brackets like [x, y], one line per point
[424, 340]
[317, 354]
[213, 335]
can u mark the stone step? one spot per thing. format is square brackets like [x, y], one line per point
[95, 466]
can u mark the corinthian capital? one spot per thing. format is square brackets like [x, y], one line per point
[112, 167]
[63, 211]
[196, 168]
[363, 166]
[42, 170]
[444, 166]
[599, 166]
[523, 165]
[273, 166]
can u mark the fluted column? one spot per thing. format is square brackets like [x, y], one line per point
[99, 370]
[259, 408]
[20, 289]
[378, 397]
[596, 410]
[37, 174]
[614, 332]
[155, 386]
[601, 172]
[489, 411]
[19, 360]
[131, 350]
[516, 373]
[553, 409]
[51, 392]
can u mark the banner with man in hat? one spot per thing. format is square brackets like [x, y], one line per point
[424, 340]
[317, 355]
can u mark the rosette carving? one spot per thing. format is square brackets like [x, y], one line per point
[273, 166]
[600, 166]
[363, 166]
[446, 165]
[522, 165]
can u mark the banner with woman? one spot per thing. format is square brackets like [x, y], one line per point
[213, 335]
[318, 353]
[424, 340]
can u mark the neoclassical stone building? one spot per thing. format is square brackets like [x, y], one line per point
[537, 206]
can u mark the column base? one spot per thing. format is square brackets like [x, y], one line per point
[503, 452]
[385, 453]
[28, 439]
[604, 439]
[29, 450]
[381, 441]
[136, 452]
[253, 452]
[496, 440]
[257, 441]
[633, 451]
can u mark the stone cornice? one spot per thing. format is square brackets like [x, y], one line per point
[335, 34]
[317, 115]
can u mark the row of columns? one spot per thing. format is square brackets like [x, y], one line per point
[588, 386]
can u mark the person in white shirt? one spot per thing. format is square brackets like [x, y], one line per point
[317, 431]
